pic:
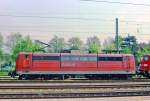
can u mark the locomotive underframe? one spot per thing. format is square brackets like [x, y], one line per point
[92, 75]
[145, 73]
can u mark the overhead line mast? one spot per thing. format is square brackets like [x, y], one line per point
[117, 36]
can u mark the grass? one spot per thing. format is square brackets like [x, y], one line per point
[3, 74]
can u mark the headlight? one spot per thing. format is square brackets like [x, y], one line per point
[145, 65]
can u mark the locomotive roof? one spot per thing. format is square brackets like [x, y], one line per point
[58, 54]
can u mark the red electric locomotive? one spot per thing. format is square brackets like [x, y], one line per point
[64, 65]
[144, 67]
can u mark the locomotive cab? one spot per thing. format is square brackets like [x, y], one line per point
[23, 62]
[144, 65]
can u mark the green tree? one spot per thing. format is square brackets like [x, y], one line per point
[120, 40]
[57, 44]
[1, 55]
[93, 44]
[109, 44]
[126, 50]
[1, 46]
[24, 45]
[12, 40]
[1, 41]
[75, 43]
[131, 43]
[144, 49]
[131, 46]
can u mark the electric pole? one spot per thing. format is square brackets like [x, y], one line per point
[116, 38]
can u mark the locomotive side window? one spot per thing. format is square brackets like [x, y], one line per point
[92, 58]
[35, 58]
[69, 58]
[74, 58]
[83, 58]
[88, 58]
[110, 58]
[50, 57]
[78, 58]
[65, 58]
[116, 59]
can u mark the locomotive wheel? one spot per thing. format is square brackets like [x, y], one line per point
[147, 74]
[20, 77]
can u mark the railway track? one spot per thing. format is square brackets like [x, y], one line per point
[118, 86]
[17, 91]
[71, 81]
[73, 95]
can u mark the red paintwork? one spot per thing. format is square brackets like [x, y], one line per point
[128, 63]
[145, 65]
[22, 64]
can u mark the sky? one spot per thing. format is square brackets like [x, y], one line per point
[41, 19]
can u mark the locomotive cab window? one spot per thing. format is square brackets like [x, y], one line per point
[145, 58]
[27, 57]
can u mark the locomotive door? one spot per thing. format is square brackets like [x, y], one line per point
[27, 62]
[126, 63]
